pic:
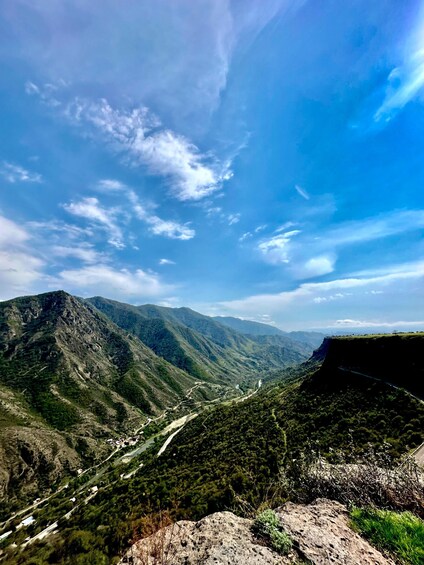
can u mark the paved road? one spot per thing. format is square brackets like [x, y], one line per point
[418, 454]
[346, 370]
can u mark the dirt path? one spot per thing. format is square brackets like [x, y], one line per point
[418, 455]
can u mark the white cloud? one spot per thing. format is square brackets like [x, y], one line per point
[376, 227]
[84, 253]
[331, 297]
[19, 271]
[20, 268]
[60, 230]
[275, 250]
[15, 173]
[302, 192]
[166, 262]
[111, 185]
[218, 212]
[112, 283]
[233, 219]
[169, 229]
[305, 293]
[91, 209]
[317, 266]
[138, 134]
[245, 235]
[404, 83]
[10, 233]
[348, 323]
[157, 226]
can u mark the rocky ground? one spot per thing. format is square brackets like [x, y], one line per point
[320, 532]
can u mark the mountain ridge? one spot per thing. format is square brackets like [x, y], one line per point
[68, 373]
[202, 342]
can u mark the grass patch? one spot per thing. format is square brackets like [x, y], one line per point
[399, 533]
[268, 527]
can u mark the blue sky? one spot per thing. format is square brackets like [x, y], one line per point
[247, 158]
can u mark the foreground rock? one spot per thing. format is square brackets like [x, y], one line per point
[219, 539]
[320, 532]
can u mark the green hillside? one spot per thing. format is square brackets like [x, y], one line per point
[69, 380]
[200, 345]
[242, 453]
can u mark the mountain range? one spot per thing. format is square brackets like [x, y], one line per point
[338, 430]
[75, 373]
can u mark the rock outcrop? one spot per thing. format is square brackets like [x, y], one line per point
[320, 534]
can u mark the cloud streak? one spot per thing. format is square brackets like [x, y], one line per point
[91, 209]
[302, 192]
[20, 268]
[308, 292]
[15, 173]
[139, 136]
[114, 283]
[275, 250]
[156, 225]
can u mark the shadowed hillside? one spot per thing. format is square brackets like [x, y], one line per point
[395, 358]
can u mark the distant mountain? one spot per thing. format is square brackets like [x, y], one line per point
[200, 344]
[69, 379]
[248, 327]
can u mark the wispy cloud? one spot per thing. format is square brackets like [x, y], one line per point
[406, 80]
[83, 252]
[91, 209]
[156, 225]
[275, 250]
[110, 282]
[306, 293]
[20, 268]
[233, 219]
[191, 174]
[313, 251]
[166, 262]
[139, 136]
[403, 85]
[217, 211]
[302, 192]
[58, 231]
[348, 323]
[376, 227]
[15, 173]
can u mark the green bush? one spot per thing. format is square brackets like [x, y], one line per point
[267, 526]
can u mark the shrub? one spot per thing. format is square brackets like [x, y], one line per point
[268, 527]
[377, 481]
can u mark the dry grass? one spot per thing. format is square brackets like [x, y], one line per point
[375, 481]
[156, 545]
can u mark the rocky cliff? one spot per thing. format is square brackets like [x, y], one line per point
[395, 359]
[320, 532]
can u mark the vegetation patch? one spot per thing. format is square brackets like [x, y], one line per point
[399, 533]
[267, 526]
